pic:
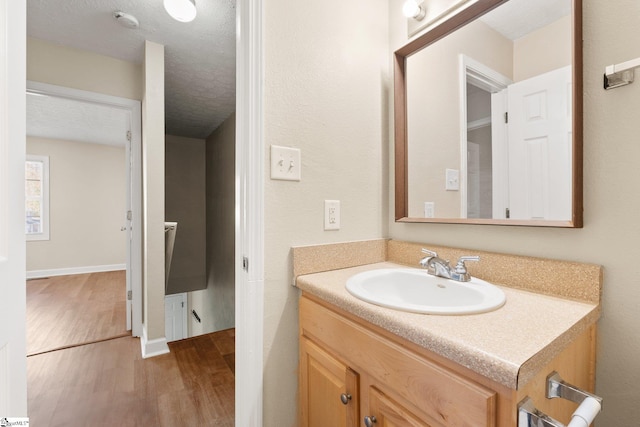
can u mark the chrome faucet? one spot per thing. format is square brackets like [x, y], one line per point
[442, 268]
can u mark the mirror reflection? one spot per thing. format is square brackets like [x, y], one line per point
[489, 117]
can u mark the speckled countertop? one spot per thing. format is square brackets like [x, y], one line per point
[509, 345]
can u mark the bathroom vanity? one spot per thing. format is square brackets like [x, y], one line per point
[363, 364]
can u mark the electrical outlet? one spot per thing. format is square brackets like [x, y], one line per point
[429, 209]
[332, 214]
[285, 163]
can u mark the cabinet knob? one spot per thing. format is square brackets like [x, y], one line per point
[370, 421]
[345, 398]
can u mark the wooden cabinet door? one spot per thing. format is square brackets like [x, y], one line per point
[385, 412]
[328, 389]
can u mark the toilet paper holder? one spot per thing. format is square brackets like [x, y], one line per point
[590, 405]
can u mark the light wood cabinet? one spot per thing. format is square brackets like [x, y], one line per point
[329, 388]
[384, 412]
[392, 382]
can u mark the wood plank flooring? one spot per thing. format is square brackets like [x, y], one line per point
[108, 383]
[70, 310]
[82, 371]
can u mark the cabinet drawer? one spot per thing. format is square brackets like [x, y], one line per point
[389, 413]
[439, 393]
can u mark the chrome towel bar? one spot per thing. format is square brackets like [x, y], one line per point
[590, 405]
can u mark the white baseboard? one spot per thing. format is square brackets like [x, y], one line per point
[35, 274]
[151, 348]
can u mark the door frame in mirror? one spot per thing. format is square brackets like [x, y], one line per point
[400, 119]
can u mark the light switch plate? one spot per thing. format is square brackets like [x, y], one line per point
[285, 163]
[452, 180]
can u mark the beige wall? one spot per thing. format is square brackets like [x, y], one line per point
[216, 304]
[87, 205]
[433, 105]
[80, 69]
[185, 204]
[326, 90]
[153, 191]
[221, 210]
[611, 231]
[544, 50]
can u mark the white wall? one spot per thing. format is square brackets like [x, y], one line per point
[13, 373]
[153, 259]
[87, 206]
[326, 92]
[611, 228]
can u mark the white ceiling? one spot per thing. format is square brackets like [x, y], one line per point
[73, 120]
[517, 18]
[199, 58]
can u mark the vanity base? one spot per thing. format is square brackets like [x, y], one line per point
[351, 369]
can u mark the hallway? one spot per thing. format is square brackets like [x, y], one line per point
[84, 369]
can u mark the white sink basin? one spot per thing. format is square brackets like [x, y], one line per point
[414, 290]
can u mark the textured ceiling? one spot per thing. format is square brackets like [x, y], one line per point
[72, 120]
[516, 18]
[199, 56]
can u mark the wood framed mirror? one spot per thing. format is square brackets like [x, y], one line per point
[488, 117]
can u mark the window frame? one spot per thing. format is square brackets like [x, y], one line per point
[44, 217]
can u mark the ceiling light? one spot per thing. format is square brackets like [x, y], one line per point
[414, 9]
[181, 10]
[126, 20]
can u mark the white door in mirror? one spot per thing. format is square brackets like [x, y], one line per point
[540, 138]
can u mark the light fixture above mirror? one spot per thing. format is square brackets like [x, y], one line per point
[421, 14]
[414, 9]
[181, 10]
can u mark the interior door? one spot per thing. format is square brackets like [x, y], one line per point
[175, 317]
[540, 136]
[129, 227]
[13, 352]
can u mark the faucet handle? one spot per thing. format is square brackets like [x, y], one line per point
[461, 268]
[428, 252]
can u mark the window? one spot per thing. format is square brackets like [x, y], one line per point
[37, 197]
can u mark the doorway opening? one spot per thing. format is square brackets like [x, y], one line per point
[483, 144]
[94, 143]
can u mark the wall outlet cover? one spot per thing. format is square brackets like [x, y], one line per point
[429, 209]
[332, 214]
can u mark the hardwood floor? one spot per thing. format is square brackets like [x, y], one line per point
[108, 383]
[84, 369]
[64, 311]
